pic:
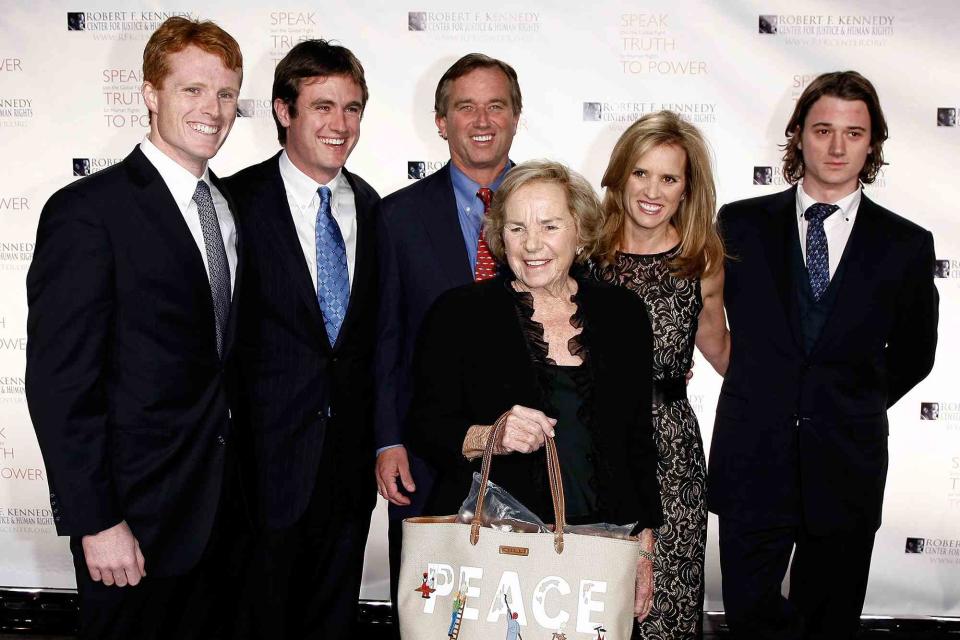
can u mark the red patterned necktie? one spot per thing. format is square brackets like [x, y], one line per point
[486, 265]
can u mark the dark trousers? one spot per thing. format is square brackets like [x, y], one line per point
[828, 581]
[198, 605]
[304, 580]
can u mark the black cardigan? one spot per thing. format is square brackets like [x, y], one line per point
[472, 363]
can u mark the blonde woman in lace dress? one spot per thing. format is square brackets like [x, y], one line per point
[660, 241]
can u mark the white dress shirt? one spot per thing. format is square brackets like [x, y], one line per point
[182, 185]
[304, 203]
[837, 227]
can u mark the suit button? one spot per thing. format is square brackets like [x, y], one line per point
[221, 440]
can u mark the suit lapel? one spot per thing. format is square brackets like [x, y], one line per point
[273, 212]
[780, 244]
[162, 214]
[363, 261]
[441, 220]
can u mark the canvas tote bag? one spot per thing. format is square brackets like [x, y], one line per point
[463, 582]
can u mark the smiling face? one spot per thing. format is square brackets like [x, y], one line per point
[655, 188]
[539, 236]
[835, 142]
[480, 123]
[326, 126]
[192, 113]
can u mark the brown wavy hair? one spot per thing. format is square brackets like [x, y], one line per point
[846, 85]
[701, 249]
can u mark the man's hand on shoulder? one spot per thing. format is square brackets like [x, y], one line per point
[113, 556]
[391, 464]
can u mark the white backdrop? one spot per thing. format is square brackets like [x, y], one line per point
[69, 99]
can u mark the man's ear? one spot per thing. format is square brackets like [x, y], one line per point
[283, 112]
[441, 122]
[149, 93]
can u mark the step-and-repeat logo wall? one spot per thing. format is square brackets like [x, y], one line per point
[70, 105]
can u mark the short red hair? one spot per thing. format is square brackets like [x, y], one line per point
[176, 34]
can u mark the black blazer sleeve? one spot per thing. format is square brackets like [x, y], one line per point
[437, 421]
[390, 328]
[71, 305]
[912, 342]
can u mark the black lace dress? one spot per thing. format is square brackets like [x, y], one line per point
[673, 305]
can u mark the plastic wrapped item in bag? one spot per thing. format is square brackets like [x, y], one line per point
[504, 512]
[500, 510]
[602, 529]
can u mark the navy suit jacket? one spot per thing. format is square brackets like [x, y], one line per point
[299, 393]
[127, 393]
[422, 255]
[802, 437]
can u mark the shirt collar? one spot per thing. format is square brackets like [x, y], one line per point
[848, 204]
[301, 187]
[181, 183]
[466, 189]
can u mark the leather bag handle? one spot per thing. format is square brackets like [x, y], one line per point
[553, 473]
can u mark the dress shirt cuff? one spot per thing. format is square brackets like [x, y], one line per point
[389, 446]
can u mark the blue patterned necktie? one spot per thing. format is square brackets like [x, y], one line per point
[818, 256]
[333, 280]
[217, 266]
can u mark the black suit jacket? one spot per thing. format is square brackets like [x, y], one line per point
[473, 364]
[803, 437]
[422, 255]
[299, 393]
[127, 394]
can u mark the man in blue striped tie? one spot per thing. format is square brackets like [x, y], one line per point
[306, 348]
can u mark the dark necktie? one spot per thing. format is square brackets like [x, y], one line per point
[818, 256]
[486, 265]
[217, 266]
[333, 279]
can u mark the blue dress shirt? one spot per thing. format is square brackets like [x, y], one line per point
[470, 207]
